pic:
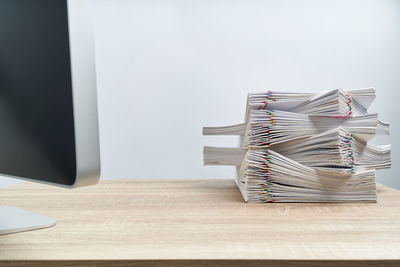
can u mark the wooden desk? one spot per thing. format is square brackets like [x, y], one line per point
[197, 222]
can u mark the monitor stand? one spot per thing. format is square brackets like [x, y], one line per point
[13, 220]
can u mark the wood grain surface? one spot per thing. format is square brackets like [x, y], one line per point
[198, 222]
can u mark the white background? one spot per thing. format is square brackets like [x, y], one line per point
[168, 68]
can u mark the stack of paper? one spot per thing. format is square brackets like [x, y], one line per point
[334, 103]
[338, 148]
[311, 148]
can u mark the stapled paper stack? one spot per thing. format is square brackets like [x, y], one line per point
[305, 147]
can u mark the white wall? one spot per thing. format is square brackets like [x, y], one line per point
[166, 68]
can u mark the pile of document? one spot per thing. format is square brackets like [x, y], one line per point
[305, 147]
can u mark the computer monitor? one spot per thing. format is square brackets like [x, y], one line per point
[48, 100]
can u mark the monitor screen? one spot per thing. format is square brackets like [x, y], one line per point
[36, 105]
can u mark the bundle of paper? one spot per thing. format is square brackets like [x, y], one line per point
[339, 149]
[311, 148]
[336, 103]
[266, 127]
[267, 176]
